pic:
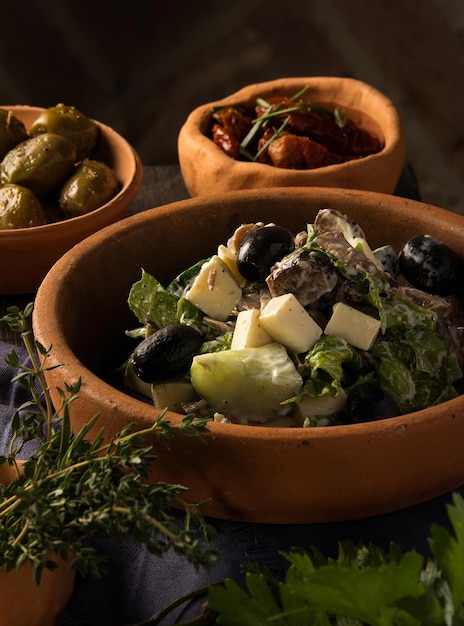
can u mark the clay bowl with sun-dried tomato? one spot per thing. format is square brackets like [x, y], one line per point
[294, 132]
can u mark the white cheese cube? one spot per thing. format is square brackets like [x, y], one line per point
[248, 331]
[230, 259]
[215, 291]
[288, 323]
[311, 406]
[359, 329]
[171, 395]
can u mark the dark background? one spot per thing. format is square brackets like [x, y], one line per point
[142, 65]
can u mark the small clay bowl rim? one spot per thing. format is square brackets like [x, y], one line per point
[351, 93]
[128, 191]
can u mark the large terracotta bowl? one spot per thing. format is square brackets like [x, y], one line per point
[207, 169]
[247, 472]
[26, 254]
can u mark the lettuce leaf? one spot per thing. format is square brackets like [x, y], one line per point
[179, 284]
[151, 302]
[325, 363]
[401, 311]
[416, 367]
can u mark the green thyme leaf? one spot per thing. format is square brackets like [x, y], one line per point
[73, 489]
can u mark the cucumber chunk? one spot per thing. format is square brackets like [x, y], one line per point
[247, 385]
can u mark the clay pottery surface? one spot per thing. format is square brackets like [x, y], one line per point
[22, 601]
[250, 473]
[26, 254]
[207, 169]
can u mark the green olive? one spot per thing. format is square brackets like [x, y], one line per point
[12, 131]
[41, 163]
[19, 208]
[71, 123]
[92, 185]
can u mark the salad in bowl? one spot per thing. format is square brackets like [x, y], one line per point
[306, 329]
[329, 466]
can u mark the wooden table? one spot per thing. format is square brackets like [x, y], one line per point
[161, 185]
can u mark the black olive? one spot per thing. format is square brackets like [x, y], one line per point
[261, 248]
[429, 264]
[367, 402]
[167, 353]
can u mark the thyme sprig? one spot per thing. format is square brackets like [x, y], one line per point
[72, 489]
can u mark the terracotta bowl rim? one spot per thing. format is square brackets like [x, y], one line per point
[55, 278]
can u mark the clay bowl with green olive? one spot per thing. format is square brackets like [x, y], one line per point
[63, 176]
[381, 350]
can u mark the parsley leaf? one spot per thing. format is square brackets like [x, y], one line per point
[363, 586]
[449, 554]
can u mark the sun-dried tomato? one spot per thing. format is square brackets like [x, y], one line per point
[305, 138]
[349, 140]
[234, 121]
[297, 153]
[226, 141]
